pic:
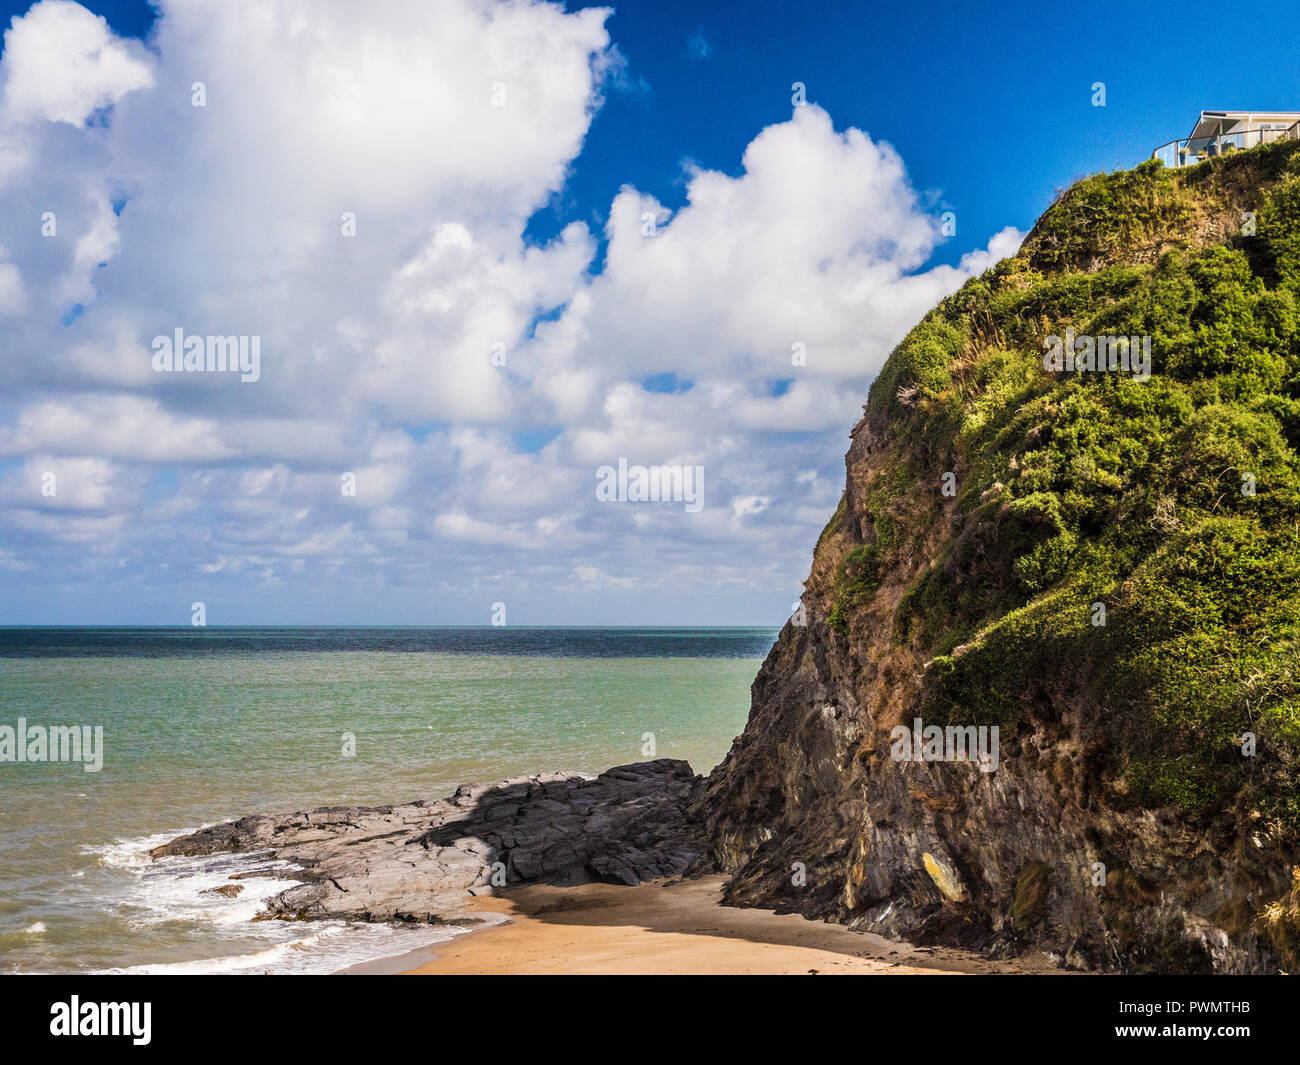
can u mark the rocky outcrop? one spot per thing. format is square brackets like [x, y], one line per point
[810, 815]
[417, 861]
[1072, 559]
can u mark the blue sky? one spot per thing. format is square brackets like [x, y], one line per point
[990, 104]
[773, 227]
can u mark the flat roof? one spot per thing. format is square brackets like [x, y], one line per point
[1209, 119]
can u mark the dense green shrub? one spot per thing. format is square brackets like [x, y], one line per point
[1173, 504]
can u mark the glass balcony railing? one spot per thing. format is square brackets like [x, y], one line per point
[1198, 149]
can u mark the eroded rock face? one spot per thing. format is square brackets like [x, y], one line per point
[825, 825]
[417, 861]
[810, 814]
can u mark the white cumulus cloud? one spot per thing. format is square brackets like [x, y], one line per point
[354, 192]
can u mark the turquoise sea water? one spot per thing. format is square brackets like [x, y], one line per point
[201, 725]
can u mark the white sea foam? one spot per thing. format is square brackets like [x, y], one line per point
[173, 890]
[335, 945]
[179, 888]
[135, 852]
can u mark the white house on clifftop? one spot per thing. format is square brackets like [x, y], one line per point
[1217, 132]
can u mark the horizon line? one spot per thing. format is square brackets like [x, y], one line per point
[311, 625]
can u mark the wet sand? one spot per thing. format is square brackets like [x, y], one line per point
[678, 926]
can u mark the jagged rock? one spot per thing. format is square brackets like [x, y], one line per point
[418, 861]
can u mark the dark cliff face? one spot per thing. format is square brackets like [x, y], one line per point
[1102, 565]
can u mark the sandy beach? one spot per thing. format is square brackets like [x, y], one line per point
[677, 927]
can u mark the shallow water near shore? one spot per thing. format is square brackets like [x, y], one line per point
[203, 725]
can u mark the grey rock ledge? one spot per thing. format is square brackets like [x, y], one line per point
[419, 861]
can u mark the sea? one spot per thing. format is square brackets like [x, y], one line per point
[201, 725]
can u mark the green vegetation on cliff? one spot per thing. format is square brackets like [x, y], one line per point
[1128, 549]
